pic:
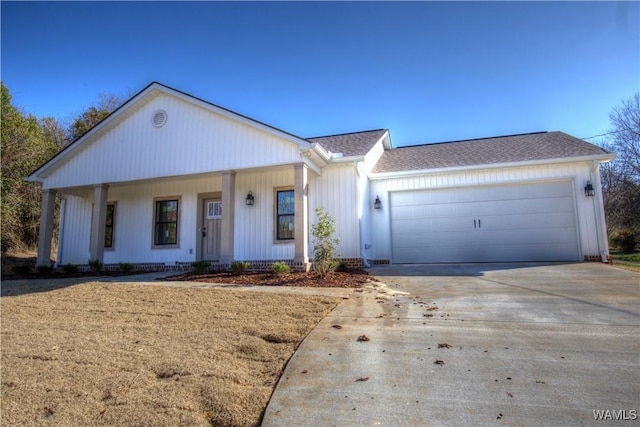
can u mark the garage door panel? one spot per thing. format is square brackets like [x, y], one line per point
[524, 237]
[529, 222]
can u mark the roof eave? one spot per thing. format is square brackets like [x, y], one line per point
[37, 175]
[601, 158]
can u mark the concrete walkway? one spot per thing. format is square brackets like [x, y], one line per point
[482, 344]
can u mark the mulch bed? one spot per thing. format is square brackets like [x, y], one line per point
[352, 278]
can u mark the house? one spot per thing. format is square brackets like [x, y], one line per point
[168, 179]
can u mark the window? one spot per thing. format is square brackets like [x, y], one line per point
[165, 228]
[109, 225]
[285, 215]
[214, 210]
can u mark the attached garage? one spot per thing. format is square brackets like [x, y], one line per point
[499, 223]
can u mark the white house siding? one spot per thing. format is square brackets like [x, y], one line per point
[254, 225]
[73, 245]
[579, 173]
[134, 222]
[336, 192]
[193, 140]
[372, 156]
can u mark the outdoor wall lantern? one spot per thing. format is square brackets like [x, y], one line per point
[249, 200]
[377, 204]
[589, 191]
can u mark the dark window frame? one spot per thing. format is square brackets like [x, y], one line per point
[279, 215]
[111, 226]
[158, 242]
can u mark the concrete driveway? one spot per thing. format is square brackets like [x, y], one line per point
[475, 344]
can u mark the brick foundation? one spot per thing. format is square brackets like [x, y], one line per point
[598, 258]
[254, 265]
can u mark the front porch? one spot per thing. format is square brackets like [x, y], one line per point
[246, 232]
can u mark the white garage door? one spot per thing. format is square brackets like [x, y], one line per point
[530, 222]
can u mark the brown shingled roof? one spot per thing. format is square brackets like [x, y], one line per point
[500, 149]
[350, 144]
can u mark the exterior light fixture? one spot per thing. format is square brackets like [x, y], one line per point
[377, 204]
[589, 191]
[249, 200]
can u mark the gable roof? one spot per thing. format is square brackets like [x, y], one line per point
[140, 98]
[527, 147]
[350, 144]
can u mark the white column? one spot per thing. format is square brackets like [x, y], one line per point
[227, 222]
[301, 254]
[46, 227]
[99, 218]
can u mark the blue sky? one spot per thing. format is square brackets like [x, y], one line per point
[428, 71]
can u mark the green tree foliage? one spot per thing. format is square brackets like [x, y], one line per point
[621, 177]
[93, 115]
[324, 243]
[24, 148]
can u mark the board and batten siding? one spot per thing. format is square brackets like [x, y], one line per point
[335, 191]
[577, 173]
[193, 140]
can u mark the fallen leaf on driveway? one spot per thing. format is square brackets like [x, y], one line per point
[439, 362]
[363, 338]
[336, 327]
[363, 379]
[445, 345]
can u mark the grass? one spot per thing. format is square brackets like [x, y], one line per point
[628, 261]
[115, 354]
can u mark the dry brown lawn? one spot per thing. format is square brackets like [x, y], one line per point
[126, 354]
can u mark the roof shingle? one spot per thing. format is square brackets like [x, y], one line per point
[501, 149]
[350, 144]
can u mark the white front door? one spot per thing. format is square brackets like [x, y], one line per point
[211, 220]
[523, 222]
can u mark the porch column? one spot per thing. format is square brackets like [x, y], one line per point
[228, 212]
[99, 218]
[301, 254]
[46, 227]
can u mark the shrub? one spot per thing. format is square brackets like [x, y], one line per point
[125, 267]
[280, 267]
[239, 267]
[44, 269]
[624, 239]
[70, 268]
[22, 269]
[342, 266]
[95, 265]
[201, 267]
[324, 243]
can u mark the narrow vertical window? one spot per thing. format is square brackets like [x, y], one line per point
[285, 215]
[166, 222]
[109, 225]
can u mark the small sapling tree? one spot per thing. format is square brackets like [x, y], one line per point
[324, 243]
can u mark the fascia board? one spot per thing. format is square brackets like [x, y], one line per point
[37, 175]
[400, 174]
[302, 143]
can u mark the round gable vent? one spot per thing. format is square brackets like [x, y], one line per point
[159, 118]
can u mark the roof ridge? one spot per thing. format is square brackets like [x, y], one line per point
[346, 133]
[474, 139]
